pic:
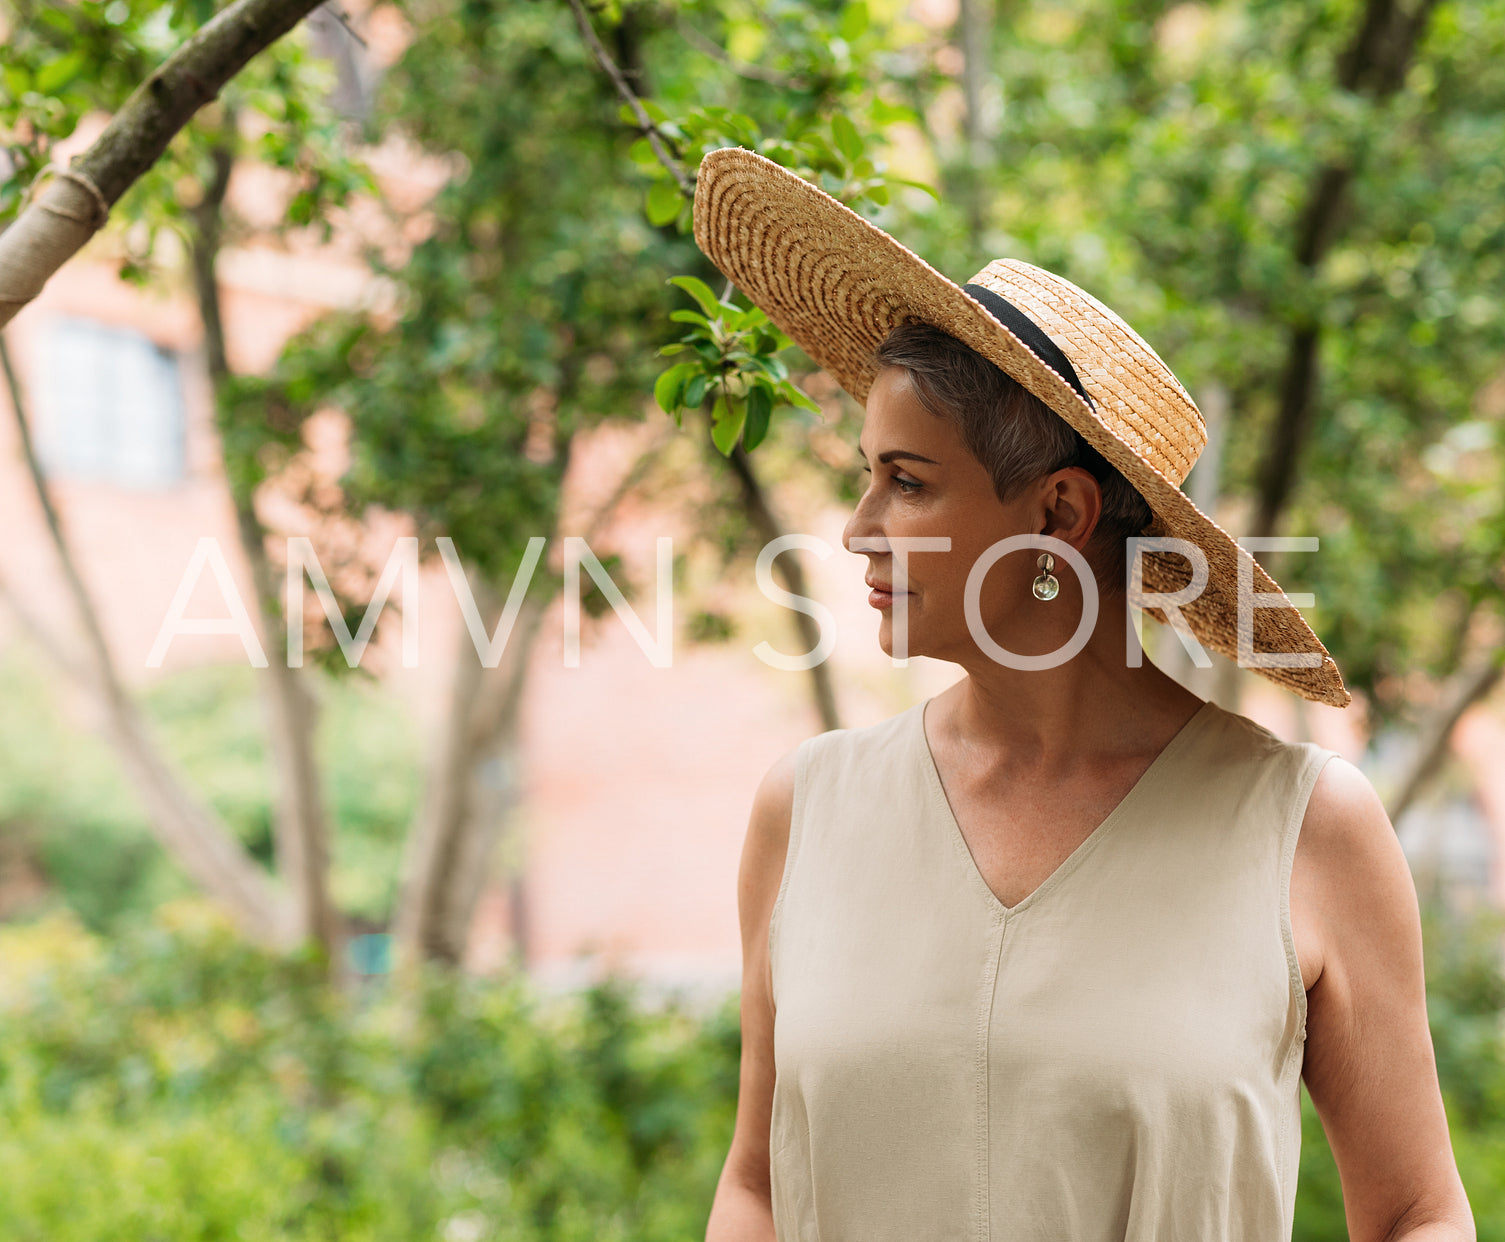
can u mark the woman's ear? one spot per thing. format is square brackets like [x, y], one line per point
[1073, 502]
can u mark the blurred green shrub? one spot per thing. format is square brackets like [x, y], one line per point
[171, 1082]
[65, 806]
[174, 1083]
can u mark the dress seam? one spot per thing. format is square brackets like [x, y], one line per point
[984, 1031]
[1315, 760]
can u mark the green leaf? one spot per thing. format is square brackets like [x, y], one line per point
[853, 22]
[668, 351]
[744, 129]
[759, 408]
[700, 291]
[670, 386]
[918, 185]
[695, 390]
[728, 414]
[664, 202]
[793, 396]
[882, 112]
[848, 141]
[55, 75]
[689, 316]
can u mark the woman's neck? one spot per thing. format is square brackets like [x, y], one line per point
[1093, 703]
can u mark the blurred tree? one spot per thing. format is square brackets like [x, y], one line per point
[520, 327]
[530, 314]
[63, 63]
[1299, 205]
[187, 827]
[463, 416]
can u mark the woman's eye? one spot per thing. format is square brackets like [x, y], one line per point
[903, 483]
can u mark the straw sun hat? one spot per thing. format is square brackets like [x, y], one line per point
[836, 285]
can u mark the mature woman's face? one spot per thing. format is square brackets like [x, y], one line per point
[926, 483]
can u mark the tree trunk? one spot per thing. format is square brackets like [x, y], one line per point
[1374, 64]
[973, 28]
[69, 211]
[473, 784]
[187, 827]
[972, 39]
[760, 512]
[496, 788]
[972, 31]
[470, 791]
[301, 829]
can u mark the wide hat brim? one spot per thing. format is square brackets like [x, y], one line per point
[837, 285]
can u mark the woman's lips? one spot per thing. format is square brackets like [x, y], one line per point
[882, 595]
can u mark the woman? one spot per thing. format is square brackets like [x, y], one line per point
[1046, 956]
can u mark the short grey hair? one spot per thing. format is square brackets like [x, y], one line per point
[1015, 435]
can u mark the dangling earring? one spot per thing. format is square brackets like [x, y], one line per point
[1046, 585]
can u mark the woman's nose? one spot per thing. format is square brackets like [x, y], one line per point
[864, 532]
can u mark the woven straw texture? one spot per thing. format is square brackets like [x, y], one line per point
[836, 285]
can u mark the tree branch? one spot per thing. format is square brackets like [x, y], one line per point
[59, 221]
[655, 136]
[1472, 684]
[741, 68]
[755, 501]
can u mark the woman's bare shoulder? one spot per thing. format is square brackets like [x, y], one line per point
[1353, 876]
[1346, 828]
[774, 799]
[767, 839]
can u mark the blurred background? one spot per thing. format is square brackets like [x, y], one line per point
[388, 942]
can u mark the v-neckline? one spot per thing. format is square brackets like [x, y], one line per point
[1088, 843]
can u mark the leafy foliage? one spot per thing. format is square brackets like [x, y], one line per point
[214, 1091]
[520, 317]
[735, 364]
[798, 110]
[211, 1089]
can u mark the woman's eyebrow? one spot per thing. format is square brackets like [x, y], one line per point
[898, 454]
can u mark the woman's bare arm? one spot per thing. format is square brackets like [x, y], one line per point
[742, 1210]
[1369, 1065]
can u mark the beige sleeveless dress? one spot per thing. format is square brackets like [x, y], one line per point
[1115, 1057]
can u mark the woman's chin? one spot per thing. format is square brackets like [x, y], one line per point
[916, 644]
